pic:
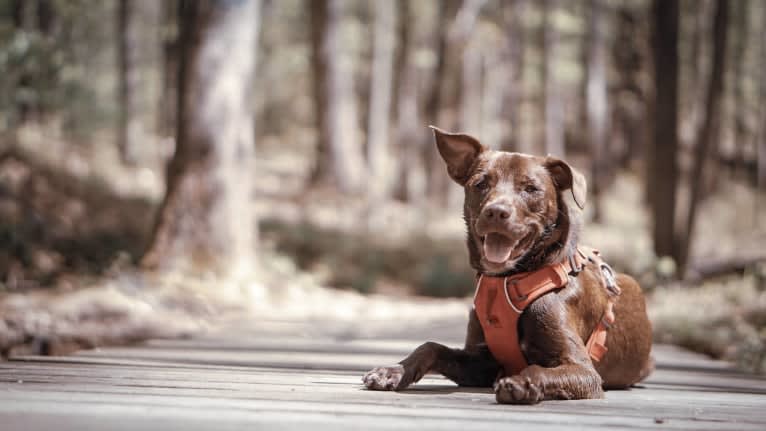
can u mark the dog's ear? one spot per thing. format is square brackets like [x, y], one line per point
[459, 151]
[567, 178]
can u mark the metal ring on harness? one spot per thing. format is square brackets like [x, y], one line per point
[609, 280]
[508, 298]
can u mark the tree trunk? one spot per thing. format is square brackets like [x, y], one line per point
[129, 127]
[409, 130]
[321, 171]
[597, 111]
[513, 14]
[741, 109]
[709, 132]
[207, 219]
[761, 144]
[553, 128]
[169, 35]
[339, 154]
[662, 178]
[456, 22]
[629, 96]
[378, 140]
[436, 181]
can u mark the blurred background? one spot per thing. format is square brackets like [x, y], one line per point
[245, 146]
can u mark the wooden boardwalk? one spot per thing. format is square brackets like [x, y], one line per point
[288, 375]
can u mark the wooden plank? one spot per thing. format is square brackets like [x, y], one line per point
[292, 376]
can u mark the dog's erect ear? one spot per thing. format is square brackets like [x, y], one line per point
[565, 177]
[459, 152]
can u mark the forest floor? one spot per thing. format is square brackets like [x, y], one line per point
[73, 221]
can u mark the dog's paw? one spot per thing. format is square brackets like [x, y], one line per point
[384, 378]
[517, 390]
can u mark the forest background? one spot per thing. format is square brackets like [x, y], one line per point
[162, 163]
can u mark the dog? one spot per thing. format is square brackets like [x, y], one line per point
[523, 216]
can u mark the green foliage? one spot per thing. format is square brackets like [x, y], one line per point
[56, 71]
[364, 262]
[443, 279]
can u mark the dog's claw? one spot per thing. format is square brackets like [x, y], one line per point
[517, 390]
[384, 378]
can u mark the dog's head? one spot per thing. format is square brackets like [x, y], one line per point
[522, 211]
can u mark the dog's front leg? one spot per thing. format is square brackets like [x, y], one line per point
[466, 368]
[536, 383]
[561, 368]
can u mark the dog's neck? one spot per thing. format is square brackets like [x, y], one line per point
[557, 243]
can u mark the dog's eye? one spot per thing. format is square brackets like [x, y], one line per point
[482, 184]
[531, 188]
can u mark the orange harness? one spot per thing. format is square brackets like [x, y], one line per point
[499, 301]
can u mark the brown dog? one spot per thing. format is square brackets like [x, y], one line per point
[523, 213]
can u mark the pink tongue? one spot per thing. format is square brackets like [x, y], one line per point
[497, 248]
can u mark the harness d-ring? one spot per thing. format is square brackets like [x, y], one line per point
[508, 298]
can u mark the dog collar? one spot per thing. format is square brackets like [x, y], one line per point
[499, 302]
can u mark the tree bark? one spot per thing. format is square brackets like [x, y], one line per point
[597, 111]
[169, 35]
[629, 96]
[709, 132]
[437, 100]
[129, 128]
[741, 111]
[207, 219]
[456, 22]
[761, 144]
[378, 139]
[321, 171]
[663, 168]
[409, 128]
[339, 160]
[513, 13]
[553, 128]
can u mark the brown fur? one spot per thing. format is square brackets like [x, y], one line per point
[540, 199]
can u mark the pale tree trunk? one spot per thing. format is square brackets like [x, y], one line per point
[169, 36]
[513, 14]
[207, 219]
[741, 111]
[662, 178]
[340, 159]
[709, 132]
[553, 128]
[470, 91]
[378, 139]
[129, 130]
[410, 180]
[456, 23]
[597, 111]
[494, 76]
[761, 144]
[469, 94]
[437, 100]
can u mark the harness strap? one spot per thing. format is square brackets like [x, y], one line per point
[499, 302]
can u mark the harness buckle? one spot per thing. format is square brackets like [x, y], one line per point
[609, 280]
[573, 264]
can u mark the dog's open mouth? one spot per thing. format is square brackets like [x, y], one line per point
[498, 247]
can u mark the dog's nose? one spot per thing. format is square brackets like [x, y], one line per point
[496, 212]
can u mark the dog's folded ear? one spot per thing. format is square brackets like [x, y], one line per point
[459, 151]
[567, 178]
